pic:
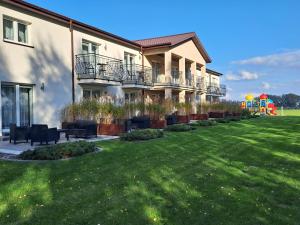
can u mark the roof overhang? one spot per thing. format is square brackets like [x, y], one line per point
[213, 72]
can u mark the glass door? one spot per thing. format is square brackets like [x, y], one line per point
[25, 106]
[8, 108]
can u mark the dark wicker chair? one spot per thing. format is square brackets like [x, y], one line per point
[41, 133]
[141, 122]
[18, 133]
[171, 119]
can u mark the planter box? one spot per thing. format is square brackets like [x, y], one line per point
[216, 115]
[194, 116]
[110, 129]
[158, 124]
[199, 117]
[183, 119]
[203, 116]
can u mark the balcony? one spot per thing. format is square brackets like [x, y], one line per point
[98, 67]
[189, 81]
[200, 84]
[216, 90]
[137, 75]
[174, 81]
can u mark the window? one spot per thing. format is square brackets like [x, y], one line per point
[8, 29]
[22, 33]
[89, 47]
[88, 94]
[129, 61]
[155, 71]
[15, 30]
[16, 105]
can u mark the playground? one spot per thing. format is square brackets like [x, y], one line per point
[262, 105]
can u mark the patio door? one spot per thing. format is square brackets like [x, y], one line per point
[16, 105]
[25, 106]
[8, 106]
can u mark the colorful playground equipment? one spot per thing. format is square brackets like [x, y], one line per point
[264, 105]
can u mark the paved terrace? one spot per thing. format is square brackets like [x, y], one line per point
[16, 149]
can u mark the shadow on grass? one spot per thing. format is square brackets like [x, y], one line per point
[237, 173]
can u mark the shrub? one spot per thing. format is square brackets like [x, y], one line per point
[245, 113]
[59, 151]
[145, 134]
[235, 119]
[179, 127]
[223, 120]
[205, 123]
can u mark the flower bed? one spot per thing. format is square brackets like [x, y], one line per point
[59, 151]
[145, 134]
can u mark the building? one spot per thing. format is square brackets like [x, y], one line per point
[48, 60]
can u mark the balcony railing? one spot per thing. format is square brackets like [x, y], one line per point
[200, 84]
[95, 66]
[189, 81]
[137, 74]
[216, 90]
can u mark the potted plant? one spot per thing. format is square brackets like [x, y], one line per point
[170, 116]
[183, 112]
[87, 109]
[217, 110]
[202, 110]
[157, 114]
[112, 119]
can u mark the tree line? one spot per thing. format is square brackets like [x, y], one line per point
[286, 100]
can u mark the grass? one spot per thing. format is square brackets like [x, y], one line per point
[289, 112]
[244, 172]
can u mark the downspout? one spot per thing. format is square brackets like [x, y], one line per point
[72, 58]
[143, 68]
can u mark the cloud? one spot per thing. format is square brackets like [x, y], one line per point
[289, 59]
[266, 85]
[242, 75]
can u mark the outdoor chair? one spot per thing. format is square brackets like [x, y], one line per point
[18, 133]
[171, 119]
[81, 128]
[41, 133]
[141, 122]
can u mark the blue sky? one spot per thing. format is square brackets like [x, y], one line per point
[255, 43]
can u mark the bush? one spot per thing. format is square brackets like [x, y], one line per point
[179, 127]
[145, 134]
[59, 151]
[245, 113]
[223, 120]
[235, 119]
[205, 123]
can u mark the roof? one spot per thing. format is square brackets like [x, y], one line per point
[213, 72]
[174, 40]
[76, 24]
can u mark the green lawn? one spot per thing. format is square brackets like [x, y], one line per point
[239, 173]
[289, 112]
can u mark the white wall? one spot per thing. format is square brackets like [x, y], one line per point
[48, 60]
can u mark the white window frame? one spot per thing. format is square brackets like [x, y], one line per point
[16, 23]
[91, 90]
[90, 46]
